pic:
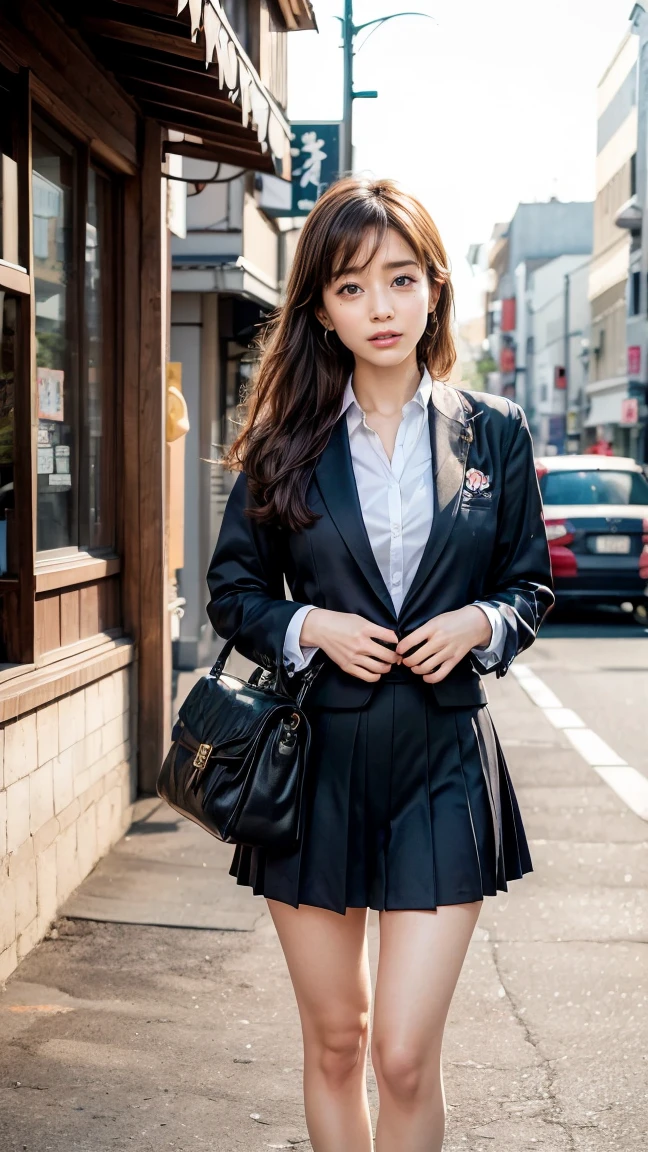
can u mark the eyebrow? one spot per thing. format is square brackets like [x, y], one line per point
[391, 264]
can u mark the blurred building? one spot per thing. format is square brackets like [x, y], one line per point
[99, 106]
[617, 295]
[555, 236]
[553, 332]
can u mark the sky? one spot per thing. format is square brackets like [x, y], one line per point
[490, 103]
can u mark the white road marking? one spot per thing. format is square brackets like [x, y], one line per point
[629, 785]
[594, 750]
[564, 718]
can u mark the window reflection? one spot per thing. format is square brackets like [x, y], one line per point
[8, 533]
[56, 366]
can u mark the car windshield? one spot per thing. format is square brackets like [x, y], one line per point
[594, 487]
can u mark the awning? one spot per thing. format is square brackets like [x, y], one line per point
[606, 405]
[161, 51]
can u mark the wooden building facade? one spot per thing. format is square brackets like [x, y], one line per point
[93, 101]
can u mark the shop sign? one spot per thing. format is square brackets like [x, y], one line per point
[629, 410]
[507, 359]
[315, 155]
[634, 360]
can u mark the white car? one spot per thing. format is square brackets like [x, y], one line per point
[596, 515]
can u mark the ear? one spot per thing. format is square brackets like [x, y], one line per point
[322, 316]
[435, 292]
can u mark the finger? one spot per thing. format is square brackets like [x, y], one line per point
[410, 641]
[431, 647]
[435, 661]
[362, 674]
[441, 672]
[379, 652]
[373, 663]
[380, 633]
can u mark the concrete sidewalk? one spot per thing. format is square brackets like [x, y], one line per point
[120, 1035]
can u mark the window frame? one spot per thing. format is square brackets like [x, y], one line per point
[47, 571]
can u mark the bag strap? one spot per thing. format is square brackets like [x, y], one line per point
[308, 675]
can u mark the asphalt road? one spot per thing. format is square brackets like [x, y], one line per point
[123, 1035]
[597, 664]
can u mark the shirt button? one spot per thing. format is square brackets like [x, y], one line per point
[396, 578]
[395, 529]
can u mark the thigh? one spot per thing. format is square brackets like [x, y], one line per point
[327, 959]
[421, 956]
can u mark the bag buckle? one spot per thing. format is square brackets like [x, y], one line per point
[202, 756]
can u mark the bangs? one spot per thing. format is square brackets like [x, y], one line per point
[364, 222]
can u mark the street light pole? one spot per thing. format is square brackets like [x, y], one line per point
[349, 32]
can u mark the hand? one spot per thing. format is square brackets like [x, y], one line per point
[444, 641]
[351, 641]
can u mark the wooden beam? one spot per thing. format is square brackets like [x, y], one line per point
[26, 411]
[88, 82]
[161, 7]
[172, 73]
[154, 644]
[199, 124]
[144, 37]
[221, 154]
[129, 517]
[115, 152]
[56, 89]
[218, 110]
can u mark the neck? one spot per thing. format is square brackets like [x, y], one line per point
[385, 390]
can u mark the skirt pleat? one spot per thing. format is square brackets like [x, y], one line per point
[406, 806]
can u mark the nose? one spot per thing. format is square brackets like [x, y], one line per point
[381, 305]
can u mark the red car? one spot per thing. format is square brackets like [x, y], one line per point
[596, 515]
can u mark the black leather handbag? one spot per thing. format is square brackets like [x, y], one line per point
[237, 761]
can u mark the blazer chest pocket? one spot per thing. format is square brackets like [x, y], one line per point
[478, 502]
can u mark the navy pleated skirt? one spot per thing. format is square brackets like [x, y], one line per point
[407, 806]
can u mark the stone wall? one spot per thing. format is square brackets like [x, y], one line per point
[67, 783]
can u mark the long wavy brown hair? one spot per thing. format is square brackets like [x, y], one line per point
[296, 396]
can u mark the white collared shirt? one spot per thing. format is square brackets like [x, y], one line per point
[397, 501]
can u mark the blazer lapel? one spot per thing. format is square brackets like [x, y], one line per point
[450, 436]
[337, 484]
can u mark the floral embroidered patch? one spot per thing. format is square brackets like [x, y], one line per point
[477, 481]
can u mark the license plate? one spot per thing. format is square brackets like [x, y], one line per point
[617, 545]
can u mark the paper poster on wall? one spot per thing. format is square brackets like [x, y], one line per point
[60, 480]
[50, 393]
[62, 458]
[45, 460]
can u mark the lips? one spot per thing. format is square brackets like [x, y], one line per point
[384, 335]
[385, 339]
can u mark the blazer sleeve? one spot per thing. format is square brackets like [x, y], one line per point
[518, 581]
[246, 583]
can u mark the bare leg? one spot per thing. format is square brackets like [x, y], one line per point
[421, 956]
[329, 968]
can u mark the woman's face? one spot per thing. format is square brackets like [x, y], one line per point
[380, 312]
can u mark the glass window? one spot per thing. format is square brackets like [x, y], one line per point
[53, 187]
[8, 528]
[75, 350]
[595, 487]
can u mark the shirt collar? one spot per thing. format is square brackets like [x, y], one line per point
[355, 414]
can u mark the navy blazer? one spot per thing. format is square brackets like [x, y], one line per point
[489, 545]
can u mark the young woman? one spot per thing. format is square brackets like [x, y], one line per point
[405, 517]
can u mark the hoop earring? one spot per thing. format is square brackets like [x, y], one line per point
[326, 339]
[434, 331]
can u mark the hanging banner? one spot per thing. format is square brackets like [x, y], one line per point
[315, 152]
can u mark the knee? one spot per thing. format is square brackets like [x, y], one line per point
[404, 1070]
[340, 1049]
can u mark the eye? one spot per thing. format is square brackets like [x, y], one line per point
[342, 291]
[403, 276]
